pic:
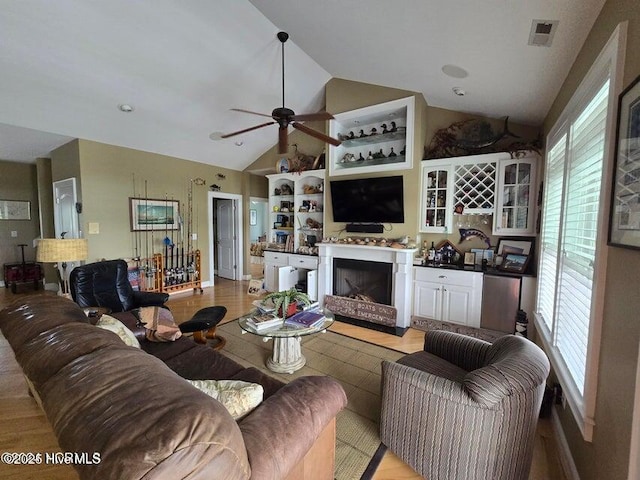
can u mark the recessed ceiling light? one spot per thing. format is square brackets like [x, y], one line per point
[459, 91]
[455, 71]
[125, 107]
[239, 143]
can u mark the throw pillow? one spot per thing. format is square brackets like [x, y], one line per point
[116, 326]
[238, 397]
[159, 324]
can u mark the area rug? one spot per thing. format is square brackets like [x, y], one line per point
[426, 324]
[355, 364]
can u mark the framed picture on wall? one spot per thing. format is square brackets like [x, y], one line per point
[15, 210]
[154, 214]
[624, 221]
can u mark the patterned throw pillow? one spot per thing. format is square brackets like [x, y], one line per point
[116, 326]
[159, 324]
[238, 397]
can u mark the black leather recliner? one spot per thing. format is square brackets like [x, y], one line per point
[106, 284]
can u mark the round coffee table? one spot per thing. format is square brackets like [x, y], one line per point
[287, 354]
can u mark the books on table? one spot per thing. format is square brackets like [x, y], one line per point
[305, 319]
[264, 321]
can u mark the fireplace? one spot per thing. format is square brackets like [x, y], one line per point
[385, 274]
[363, 280]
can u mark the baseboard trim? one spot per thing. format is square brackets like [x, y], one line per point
[564, 452]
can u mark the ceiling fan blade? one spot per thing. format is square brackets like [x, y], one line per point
[312, 116]
[283, 146]
[249, 111]
[227, 135]
[314, 133]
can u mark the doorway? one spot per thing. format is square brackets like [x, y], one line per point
[225, 236]
[65, 215]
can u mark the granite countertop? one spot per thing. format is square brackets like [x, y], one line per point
[477, 268]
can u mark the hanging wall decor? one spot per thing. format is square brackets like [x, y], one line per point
[154, 214]
[624, 222]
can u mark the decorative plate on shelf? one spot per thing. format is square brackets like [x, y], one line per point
[282, 165]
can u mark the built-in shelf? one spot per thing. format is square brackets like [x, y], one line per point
[353, 155]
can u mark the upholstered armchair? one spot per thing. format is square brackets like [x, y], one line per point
[106, 284]
[464, 409]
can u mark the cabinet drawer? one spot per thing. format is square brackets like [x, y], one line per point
[276, 258]
[447, 276]
[303, 261]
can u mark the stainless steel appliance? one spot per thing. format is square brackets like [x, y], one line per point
[500, 302]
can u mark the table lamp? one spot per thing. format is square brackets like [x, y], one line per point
[61, 251]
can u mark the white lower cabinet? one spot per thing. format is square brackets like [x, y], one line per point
[283, 271]
[448, 295]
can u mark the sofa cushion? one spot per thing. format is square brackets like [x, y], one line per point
[44, 355]
[238, 397]
[114, 325]
[202, 363]
[23, 321]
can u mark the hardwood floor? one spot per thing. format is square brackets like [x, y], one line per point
[24, 428]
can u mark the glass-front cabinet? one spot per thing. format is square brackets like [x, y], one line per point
[436, 198]
[516, 193]
[489, 184]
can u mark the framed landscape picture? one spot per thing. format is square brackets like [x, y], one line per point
[154, 214]
[624, 221]
[15, 210]
[514, 262]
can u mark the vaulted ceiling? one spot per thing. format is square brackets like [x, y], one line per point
[67, 65]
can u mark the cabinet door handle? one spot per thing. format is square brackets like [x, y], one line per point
[442, 276]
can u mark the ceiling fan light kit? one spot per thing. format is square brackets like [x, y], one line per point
[286, 117]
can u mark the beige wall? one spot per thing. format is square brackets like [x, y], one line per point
[18, 181]
[108, 174]
[608, 455]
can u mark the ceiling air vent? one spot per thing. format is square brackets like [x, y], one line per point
[542, 32]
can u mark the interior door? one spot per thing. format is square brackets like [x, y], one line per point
[225, 228]
[65, 216]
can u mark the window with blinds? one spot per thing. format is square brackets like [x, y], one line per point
[569, 232]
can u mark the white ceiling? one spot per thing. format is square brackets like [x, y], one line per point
[67, 65]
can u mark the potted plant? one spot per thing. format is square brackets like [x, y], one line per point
[286, 301]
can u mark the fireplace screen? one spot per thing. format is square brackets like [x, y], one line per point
[363, 280]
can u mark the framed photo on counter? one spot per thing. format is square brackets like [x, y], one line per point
[514, 262]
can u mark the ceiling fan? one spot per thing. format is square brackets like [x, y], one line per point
[285, 116]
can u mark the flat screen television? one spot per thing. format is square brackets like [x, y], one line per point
[368, 200]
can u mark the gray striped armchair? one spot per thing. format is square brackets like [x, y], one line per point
[464, 409]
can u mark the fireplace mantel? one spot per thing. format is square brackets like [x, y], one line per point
[401, 258]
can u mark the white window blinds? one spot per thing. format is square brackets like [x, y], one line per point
[569, 233]
[550, 231]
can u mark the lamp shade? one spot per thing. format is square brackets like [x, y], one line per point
[54, 250]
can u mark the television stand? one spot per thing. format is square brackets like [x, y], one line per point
[364, 227]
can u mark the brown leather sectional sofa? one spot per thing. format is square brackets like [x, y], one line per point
[131, 406]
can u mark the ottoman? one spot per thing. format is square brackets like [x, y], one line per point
[203, 326]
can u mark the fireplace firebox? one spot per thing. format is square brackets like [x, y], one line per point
[363, 280]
